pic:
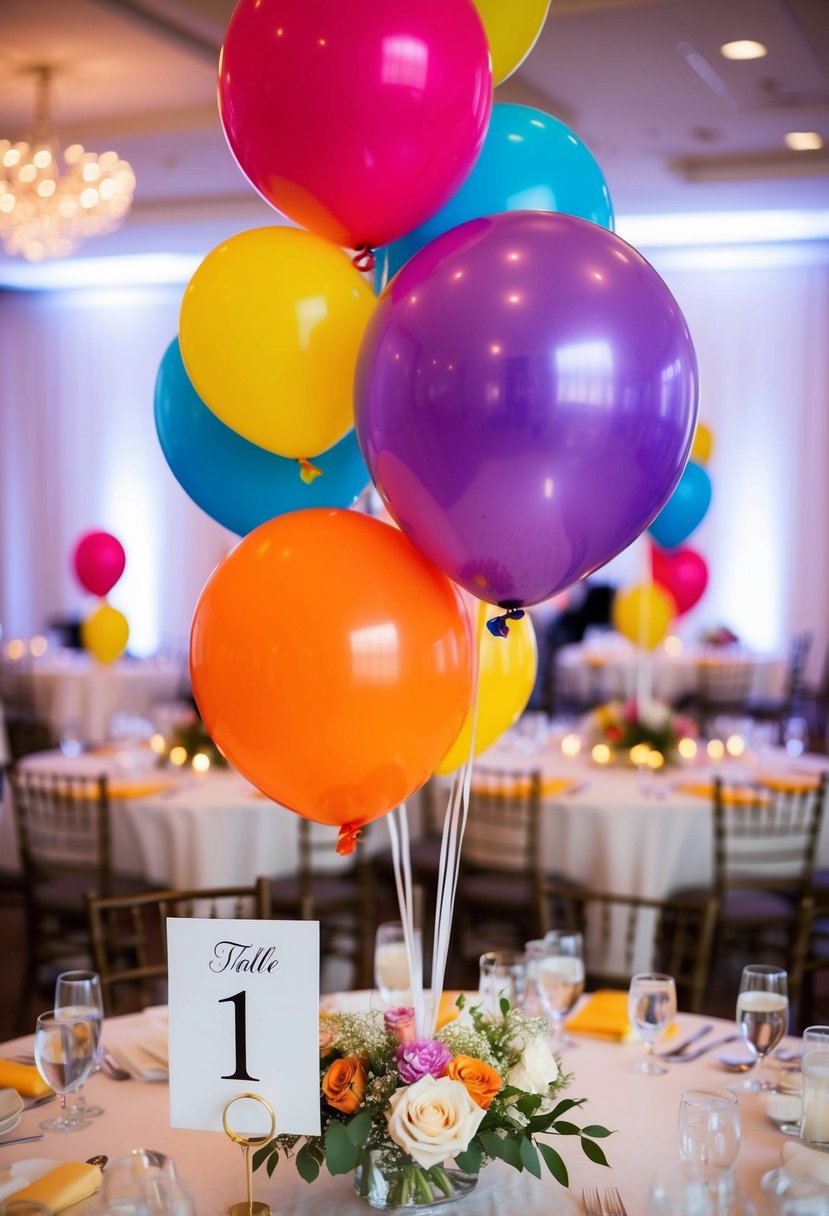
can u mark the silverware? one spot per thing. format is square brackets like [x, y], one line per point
[591, 1202]
[613, 1205]
[683, 1047]
[39, 1101]
[21, 1140]
[687, 1056]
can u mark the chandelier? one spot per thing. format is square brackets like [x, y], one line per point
[50, 200]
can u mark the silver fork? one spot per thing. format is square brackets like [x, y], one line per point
[613, 1205]
[591, 1202]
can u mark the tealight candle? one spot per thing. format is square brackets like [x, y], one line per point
[735, 745]
[571, 745]
[38, 645]
[715, 749]
[673, 645]
[158, 744]
[200, 762]
[655, 760]
[601, 753]
[16, 649]
[687, 748]
[178, 756]
[639, 753]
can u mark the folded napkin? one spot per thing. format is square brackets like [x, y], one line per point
[447, 1009]
[64, 1185]
[552, 786]
[24, 1078]
[604, 1014]
[800, 1161]
[137, 789]
[783, 783]
[147, 1057]
[734, 795]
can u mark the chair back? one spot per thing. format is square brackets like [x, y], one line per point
[318, 859]
[724, 683]
[765, 838]
[624, 934]
[799, 651]
[129, 935]
[502, 830]
[62, 825]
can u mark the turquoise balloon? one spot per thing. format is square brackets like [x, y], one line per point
[685, 509]
[530, 161]
[237, 483]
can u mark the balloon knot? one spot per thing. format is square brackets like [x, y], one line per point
[348, 837]
[497, 625]
[364, 259]
[307, 471]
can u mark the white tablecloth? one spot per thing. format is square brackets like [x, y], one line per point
[641, 1110]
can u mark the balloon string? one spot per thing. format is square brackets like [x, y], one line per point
[402, 860]
[307, 471]
[497, 625]
[364, 259]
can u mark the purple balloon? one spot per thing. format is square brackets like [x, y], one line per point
[526, 397]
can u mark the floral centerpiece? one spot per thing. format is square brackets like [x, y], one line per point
[399, 1110]
[646, 724]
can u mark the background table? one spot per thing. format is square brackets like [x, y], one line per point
[642, 1110]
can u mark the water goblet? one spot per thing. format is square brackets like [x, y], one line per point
[651, 1009]
[795, 736]
[502, 976]
[709, 1129]
[64, 1054]
[391, 963]
[762, 1014]
[79, 992]
[555, 966]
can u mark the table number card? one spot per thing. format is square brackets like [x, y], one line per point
[244, 1018]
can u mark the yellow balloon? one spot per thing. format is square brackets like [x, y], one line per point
[703, 444]
[270, 326]
[105, 633]
[506, 675]
[512, 27]
[643, 614]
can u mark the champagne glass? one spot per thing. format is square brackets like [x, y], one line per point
[762, 1013]
[391, 964]
[64, 1054]
[709, 1129]
[651, 1008]
[79, 992]
[556, 967]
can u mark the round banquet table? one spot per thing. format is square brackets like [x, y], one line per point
[641, 1110]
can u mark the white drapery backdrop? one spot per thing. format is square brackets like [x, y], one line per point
[78, 450]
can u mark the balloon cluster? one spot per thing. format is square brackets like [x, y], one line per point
[644, 613]
[523, 393]
[98, 561]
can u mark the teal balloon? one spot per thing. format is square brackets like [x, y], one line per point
[530, 161]
[237, 483]
[685, 509]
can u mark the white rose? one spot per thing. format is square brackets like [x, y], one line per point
[653, 715]
[535, 1070]
[433, 1119]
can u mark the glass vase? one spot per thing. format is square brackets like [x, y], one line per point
[392, 1185]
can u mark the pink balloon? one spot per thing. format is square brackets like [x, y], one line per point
[99, 561]
[683, 572]
[356, 118]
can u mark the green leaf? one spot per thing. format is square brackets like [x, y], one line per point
[596, 1131]
[529, 1156]
[504, 1006]
[529, 1103]
[491, 1143]
[554, 1164]
[561, 1128]
[273, 1161]
[470, 1159]
[341, 1154]
[594, 1152]
[564, 1105]
[511, 1152]
[359, 1127]
[307, 1165]
[263, 1152]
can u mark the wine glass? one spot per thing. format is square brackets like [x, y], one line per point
[651, 1008]
[709, 1129]
[762, 1014]
[795, 736]
[80, 992]
[391, 963]
[65, 1047]
[555, 965]
[502, 975]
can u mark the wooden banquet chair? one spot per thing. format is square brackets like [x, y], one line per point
[793, 697]
[63, 833]
[129, 937]
[627, 933]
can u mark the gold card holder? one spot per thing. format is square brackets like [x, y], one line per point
[250, 1207]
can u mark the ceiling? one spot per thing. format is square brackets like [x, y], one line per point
[674, 125]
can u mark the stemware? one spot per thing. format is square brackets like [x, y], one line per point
[391, 964]
[80, 992]
[709, 1129]
[762, 1014]
[502, 976]
[555, 966]
[651, 1008]
[64, 1055]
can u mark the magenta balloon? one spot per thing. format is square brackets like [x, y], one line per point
[526, 396]
[99, 560]
[356, 118]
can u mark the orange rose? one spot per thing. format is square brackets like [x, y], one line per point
[481, 1080]
[344, 1084]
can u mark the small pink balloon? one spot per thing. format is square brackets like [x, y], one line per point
[683, 572]
[99, 561]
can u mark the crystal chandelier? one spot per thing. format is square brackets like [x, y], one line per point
[51, 201]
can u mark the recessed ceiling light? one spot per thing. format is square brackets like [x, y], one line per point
[803, 141]
[743, 48]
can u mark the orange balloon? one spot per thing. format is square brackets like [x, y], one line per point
[332, 664]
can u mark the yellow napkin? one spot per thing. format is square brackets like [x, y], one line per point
[604, 1014]
[447, 1009]
[784, 784]
[551, 786]
[24, 1078]
[64, 1185]
[731, 795]
[136, 789]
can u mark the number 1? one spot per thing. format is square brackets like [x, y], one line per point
[241, 1073]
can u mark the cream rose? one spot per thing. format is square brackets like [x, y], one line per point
[433, 1119]
[535, 1070]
